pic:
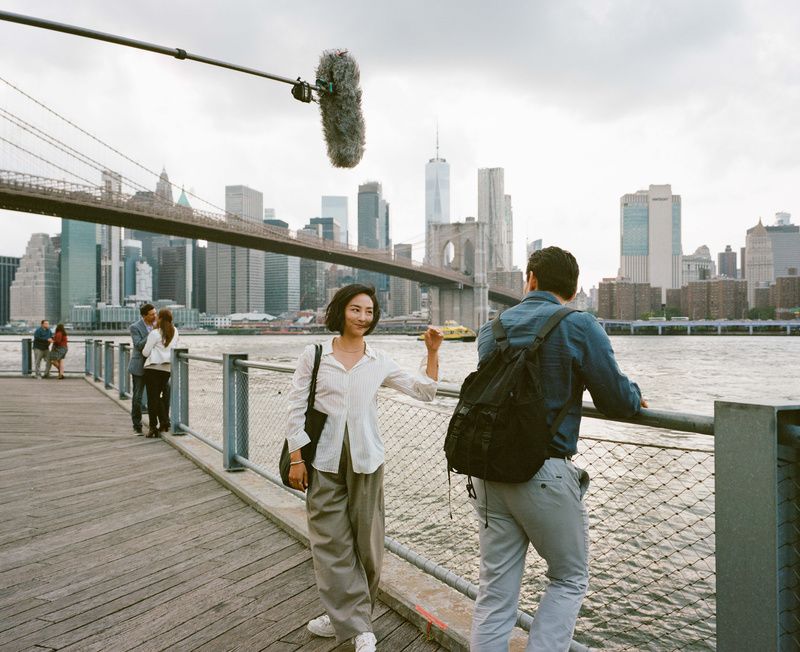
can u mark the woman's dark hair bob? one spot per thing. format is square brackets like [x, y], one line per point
[334, 313]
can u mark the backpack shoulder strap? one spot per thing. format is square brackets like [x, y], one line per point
[500, 335]
[549, 325]
[313, 389]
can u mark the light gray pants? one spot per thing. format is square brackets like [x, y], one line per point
[40, 355]
[548, 512]
[346, 531]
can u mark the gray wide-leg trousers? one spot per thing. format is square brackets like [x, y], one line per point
[547, 512]
[346, 530]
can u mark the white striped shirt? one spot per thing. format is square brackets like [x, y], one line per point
[348, 398]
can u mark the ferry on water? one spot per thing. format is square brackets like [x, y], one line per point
[456, 332]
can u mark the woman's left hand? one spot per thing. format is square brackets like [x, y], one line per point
[433, 338]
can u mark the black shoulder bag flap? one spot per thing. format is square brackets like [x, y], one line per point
[315, 422]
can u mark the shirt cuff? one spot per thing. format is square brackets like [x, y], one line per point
[297, 441]
[423, 373]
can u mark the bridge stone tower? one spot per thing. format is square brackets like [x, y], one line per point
[460, 246]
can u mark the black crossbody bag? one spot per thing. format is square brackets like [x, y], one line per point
[315, 422]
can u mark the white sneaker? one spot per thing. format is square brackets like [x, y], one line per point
[321, 627]
[365, 642]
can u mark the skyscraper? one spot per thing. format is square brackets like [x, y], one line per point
[8, 269]
[373, 232]
[405, 294]
[34, 293]
[336, 207]
[785, 239]
[494, 209]
[235, 275]
[131, 254]
[175, 273]
[760, 270]
[78, 261]
[312, 272]
[164, 189]
[437, 194]
[698, 266]
[282, 279]
[726, 262]
[650, 237]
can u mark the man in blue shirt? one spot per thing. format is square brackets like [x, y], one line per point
[42, 337]
[139, 331]
[548, 510]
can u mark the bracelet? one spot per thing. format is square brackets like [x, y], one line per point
[297, 462]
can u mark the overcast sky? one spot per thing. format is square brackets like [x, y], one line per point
[580, 102]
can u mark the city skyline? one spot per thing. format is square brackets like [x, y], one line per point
[695, 96]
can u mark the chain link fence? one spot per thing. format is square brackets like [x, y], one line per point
[789, 551]
[651, 510]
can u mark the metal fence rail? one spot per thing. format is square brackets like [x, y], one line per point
[672, 563]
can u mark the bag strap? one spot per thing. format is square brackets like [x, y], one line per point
[313, 389]
[552, 321]
[500, 335]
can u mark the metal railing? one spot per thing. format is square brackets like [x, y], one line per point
[695, 543]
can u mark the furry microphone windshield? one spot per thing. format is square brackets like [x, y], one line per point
[340, 106]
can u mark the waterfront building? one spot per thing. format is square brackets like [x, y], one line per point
[144, 282]
[726, 262]
[235, 275]
[620, 298]
[176, 273]
[83, 318]
[785, 296]
[581, 301]
[312, 272]
[131, 254]
[78, 265]
[785, 240]
[530, 247]
[35, 291]
[336, 207]
[742, 261]
[115, 318]
[199, 276]
[281, 279]
[494, 210]
[650, 237]
[760, 269]
[405, 294]
[437, 194]
[698, 266]
[8, 270]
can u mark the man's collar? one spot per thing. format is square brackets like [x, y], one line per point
[541, 295]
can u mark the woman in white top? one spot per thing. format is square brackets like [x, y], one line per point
[345, 479]
[158, 353]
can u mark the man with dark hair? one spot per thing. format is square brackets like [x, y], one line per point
[42, 337]
[139, 331]
[547, 511]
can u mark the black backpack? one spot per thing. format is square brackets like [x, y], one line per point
[499, 430]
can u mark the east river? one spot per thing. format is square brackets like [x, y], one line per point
[651, 501]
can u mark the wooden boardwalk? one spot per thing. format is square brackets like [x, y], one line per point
[115, 542]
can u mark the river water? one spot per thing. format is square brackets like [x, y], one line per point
[651, 501]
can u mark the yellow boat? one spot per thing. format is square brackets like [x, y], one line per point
[456, 332]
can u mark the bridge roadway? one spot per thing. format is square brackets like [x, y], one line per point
[116, 542]
[43, 196]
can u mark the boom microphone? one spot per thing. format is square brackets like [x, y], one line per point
[337, 86]
[342, 120]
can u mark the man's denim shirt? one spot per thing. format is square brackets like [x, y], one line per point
[577, 353]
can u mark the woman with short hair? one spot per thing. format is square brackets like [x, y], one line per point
[158, 353]
[345, 504]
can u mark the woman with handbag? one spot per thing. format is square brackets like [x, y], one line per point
[158, 353]
[345, 476]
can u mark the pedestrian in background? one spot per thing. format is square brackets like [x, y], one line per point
[158, 355]
[345, 506]
[139, 331]
[58, 352]
[42, 337]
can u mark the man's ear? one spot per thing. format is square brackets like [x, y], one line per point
[531, 282]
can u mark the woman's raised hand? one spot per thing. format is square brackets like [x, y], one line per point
[433, 338]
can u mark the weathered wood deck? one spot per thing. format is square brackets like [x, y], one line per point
[115, 542]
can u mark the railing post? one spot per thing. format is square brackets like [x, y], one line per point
[88, 355]
[122, 371]
[98, 354]
[234, 411]
[26, 356]
[108, 365]
[757, 541]
[179, 391]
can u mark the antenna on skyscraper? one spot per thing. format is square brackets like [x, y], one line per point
[336, 89]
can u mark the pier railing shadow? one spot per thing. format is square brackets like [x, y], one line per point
[695, 540]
